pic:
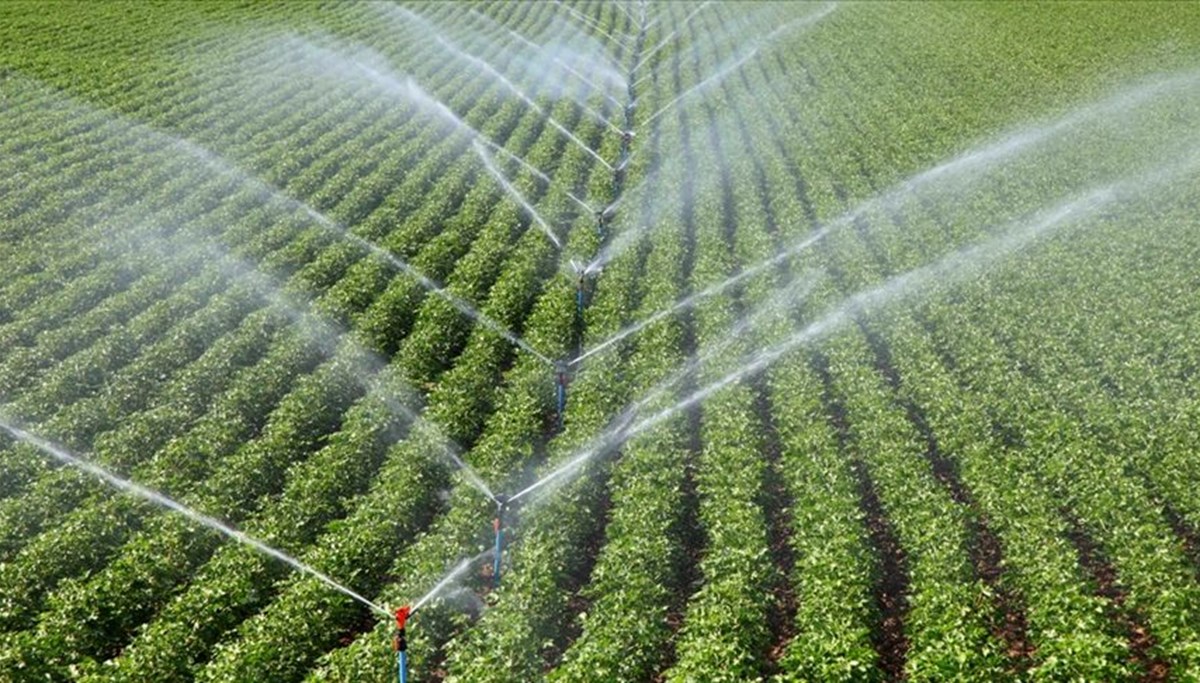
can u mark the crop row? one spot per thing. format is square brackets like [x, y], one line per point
[61, 490]
[1066, 465]
[245, 567]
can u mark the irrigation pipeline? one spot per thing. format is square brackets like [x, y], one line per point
[586, 276]
[583, 288]
[562, 369]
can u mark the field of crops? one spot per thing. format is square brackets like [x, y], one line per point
[809, 341]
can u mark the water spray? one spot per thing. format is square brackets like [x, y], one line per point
[400, 643]
[403, 614]
[66, 457]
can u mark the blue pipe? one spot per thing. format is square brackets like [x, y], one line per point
[561, 393]
[496, 559]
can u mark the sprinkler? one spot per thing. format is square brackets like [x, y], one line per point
[502, 503]
[400, 644]
[580, 292]
[582, 273]
[601, 224]
[562, 376]
[626, 148]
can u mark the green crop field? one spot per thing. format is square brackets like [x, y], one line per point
[617, 340]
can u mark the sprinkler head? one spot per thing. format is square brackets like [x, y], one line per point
[502, 501]
[402, 614]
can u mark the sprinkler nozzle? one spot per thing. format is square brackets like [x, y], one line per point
[502, 502]
[400, 641]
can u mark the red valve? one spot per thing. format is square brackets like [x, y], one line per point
[402, 616]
